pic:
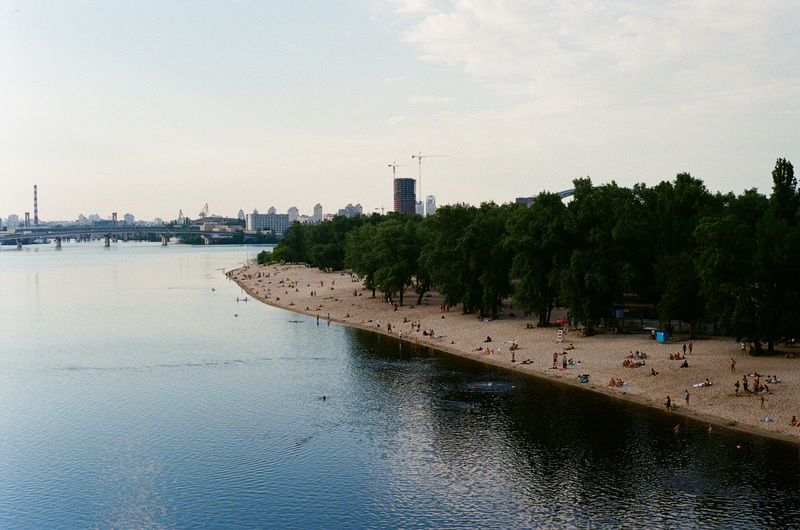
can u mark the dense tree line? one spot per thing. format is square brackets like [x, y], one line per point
[677, 247]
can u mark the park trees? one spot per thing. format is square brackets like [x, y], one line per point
[540, 247]
[360, 256]
[672, 213]
[605, 234]
[442, 255]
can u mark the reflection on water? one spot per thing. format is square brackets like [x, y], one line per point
[131, 396]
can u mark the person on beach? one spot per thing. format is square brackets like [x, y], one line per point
[732, 362]
[668, 404]
[686, 397]
[684, 349]
[555, 359]
[736, 388]
[690, 348]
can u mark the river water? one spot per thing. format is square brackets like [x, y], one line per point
[137, 392]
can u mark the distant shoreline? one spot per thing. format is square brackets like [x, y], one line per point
[297, 288]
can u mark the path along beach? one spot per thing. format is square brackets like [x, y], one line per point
[341, 297]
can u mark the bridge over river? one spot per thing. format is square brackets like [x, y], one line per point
[58, 234]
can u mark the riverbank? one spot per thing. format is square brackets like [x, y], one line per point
[516, 344]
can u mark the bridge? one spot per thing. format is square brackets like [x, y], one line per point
[28, 234]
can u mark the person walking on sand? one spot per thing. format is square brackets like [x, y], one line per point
[686, 396]
[668, 404]
[732, 362]
[690, 347]
[684, 350]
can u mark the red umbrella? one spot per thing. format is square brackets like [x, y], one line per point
[561, 320]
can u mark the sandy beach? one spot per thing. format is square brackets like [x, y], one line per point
[342, 298]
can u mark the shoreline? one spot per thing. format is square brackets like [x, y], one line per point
[341, 298]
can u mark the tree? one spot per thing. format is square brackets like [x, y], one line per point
[672, 213]
[442, 255]
[360, 254]
[784, 203]
[396, 258]
[607, 239]
[489, 257]
[540, 247]
[731, 279]
[726, 275]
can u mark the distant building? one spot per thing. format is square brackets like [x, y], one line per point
[271, 210]
[527, 201]
[419, 208]
[241, 216]
[128, 219]
[430, 205]
[351, 211]
[277, 222]
[317, 213]
[294, 213]
[13, 221]
[328, 217]
[405, 200]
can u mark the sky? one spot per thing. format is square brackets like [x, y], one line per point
[152, 108]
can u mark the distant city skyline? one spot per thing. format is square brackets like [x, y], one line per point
[152, 107]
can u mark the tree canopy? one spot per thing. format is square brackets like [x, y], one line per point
[675, 247]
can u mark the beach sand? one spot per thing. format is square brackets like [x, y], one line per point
[342, 298]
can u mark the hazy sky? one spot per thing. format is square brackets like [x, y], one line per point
[151, 107]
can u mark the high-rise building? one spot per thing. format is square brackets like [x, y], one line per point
[271, 210]
[277, 222]
[294, 213]
[430, 205]
[318, 213]
[405, 200]
[351, 211]
[420, 208]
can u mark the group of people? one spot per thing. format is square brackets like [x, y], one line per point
[758, 386]
[564, 361]
[616, 382]
[628, 363]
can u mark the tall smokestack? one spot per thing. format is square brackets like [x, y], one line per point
[35, 208]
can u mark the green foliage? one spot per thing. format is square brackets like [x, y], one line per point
[607, 239]
[675, 245]
[540, 247]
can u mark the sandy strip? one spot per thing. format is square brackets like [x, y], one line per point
[340, 297]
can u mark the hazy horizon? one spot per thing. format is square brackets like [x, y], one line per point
[151, 108]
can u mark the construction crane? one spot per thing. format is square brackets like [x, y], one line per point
[204, 212]
[419, 158]
[394, 166]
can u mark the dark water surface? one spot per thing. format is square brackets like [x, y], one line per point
[132, 395]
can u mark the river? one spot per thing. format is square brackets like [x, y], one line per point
[138, 390]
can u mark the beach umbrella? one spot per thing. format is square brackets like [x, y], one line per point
[561, 320]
